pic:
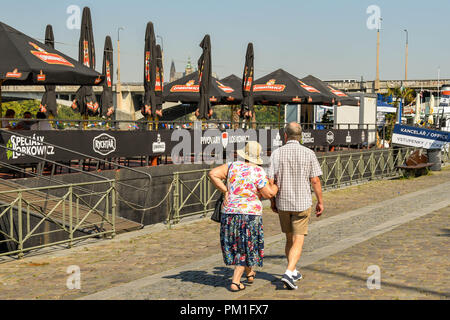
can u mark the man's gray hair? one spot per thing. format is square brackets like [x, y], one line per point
[293, 131]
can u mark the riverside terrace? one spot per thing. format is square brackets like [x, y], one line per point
[30, 147]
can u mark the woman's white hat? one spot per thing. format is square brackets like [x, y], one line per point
[251, 152]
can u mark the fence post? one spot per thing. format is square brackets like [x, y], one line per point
[19, 217]
[113, 208]
[206, 192]
[372, 165]
[338, 170]
[176, 195]
[70, 216]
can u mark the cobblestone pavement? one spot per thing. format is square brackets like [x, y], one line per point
[372, 224]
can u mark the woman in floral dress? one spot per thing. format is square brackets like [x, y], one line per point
[241, 230]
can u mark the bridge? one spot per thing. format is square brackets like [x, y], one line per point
[133, 92]
[369, 86]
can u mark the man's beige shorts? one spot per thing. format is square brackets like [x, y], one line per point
[295, 222]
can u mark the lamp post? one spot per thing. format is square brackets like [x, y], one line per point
[377, 80]
[406, 58]
[118, 86]
[162, 52]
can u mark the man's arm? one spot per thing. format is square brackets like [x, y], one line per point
[317, 187]
[271, 175]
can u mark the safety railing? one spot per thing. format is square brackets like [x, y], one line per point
[350, 168]
[445, 153]
[192, 193]
[33, 218]
[144, 124]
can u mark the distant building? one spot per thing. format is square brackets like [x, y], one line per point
[174, 75]
[188, 69]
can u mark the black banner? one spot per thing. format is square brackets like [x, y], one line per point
[33, 146]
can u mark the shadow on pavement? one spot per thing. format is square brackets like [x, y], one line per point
[383, 283]
[221, 277]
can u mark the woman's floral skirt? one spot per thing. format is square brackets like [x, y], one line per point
[242, 239]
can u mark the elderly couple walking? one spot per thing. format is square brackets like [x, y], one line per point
[293, 169]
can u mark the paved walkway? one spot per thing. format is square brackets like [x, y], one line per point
[405, 235]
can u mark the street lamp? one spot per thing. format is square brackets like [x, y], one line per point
[162, 43]
[406, 59]
[377, 80]
[162, 53]
[118, 87]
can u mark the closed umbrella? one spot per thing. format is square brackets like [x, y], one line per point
[159, 81]
[85, 101]
[149, 71]
[247, 108]
[107, 104]
[418, 109]
[431, 110]
[48, 103]
[204, 110]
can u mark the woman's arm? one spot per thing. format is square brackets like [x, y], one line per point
[217, 175]
[270, 190]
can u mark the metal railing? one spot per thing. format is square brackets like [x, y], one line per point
[192, 193]
[144, 124]
[24, 213]
[349, 168]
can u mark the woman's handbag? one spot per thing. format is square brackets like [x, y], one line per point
[217, 214]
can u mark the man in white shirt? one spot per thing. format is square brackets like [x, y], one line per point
[294, 168]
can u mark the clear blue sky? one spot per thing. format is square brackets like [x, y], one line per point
[326, 38]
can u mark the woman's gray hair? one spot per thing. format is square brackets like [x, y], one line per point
[293, 131]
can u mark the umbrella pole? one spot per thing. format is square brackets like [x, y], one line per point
[51, 117]
[232, 116]
[279, 116]
[156, 122]
[85, 123]
[1, 107]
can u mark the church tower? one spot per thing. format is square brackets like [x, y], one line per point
[172, 72]
[189, 68]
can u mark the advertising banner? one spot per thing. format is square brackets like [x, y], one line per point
[29, 146]
[419, 137]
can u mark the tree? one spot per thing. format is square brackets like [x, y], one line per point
[404, 94]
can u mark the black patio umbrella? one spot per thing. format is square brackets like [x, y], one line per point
[107, 104]
[159, 81]
[48, 103]
[247, 108]
[282, 87]
[338, 97]
[149, 70]
[204, 110]
[187, 90]
[26, 61]
[235, 83]
[85, 101]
